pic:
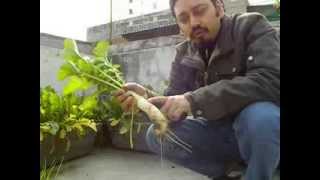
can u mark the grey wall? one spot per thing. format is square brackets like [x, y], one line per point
[51, 48]
[145, 61]
[50, 61]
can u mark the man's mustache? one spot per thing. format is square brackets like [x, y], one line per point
[197, 28]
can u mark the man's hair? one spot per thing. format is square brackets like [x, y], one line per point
[173, 3]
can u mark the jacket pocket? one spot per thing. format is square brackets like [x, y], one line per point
[228, 73]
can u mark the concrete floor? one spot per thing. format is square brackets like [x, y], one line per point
[113, 164]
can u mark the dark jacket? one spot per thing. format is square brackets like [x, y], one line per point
[243, 68]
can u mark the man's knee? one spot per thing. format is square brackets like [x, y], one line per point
[259, 120]
[151, 139]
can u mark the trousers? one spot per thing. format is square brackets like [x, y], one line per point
[252, 137]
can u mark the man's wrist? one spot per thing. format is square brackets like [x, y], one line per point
[188, 97]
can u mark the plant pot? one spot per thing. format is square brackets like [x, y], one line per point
[103, 136]
[139, 141]
[79, 146]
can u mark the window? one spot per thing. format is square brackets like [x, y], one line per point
[130, 11]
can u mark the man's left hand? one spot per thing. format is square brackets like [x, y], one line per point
[174, 107]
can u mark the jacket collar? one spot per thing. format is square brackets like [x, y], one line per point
[224, 45]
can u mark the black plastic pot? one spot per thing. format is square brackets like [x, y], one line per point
[78, 147]
[123, 141]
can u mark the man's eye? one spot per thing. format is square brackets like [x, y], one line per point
[183, 19]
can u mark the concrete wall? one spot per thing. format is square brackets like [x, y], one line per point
[131, 25]
[51, 48]
[145, 61]
[235, 6]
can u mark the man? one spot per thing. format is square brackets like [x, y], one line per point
[227, 75]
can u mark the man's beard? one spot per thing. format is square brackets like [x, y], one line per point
[201, 42]
[204, 43]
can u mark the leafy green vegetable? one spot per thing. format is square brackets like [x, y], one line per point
[62, 114]
[101, 49]
[75, 84]
[99, 73]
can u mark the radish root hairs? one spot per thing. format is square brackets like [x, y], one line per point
[156, 116]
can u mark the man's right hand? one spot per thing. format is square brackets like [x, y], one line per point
[125, 99]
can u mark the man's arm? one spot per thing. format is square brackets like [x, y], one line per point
[261, 82]
[176, 83]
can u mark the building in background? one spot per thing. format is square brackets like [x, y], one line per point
[132, 8]
[162, 23]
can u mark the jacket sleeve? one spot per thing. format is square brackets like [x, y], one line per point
[260, 83]
[176, 82]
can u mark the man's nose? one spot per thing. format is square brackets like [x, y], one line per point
[194, 21]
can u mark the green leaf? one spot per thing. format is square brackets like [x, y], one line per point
[50, 127]
[68, 128]
[114, 122]
[42, 111]
[92, 125]
[101, 49]
[123, 130]
[62, 134]
[41, 136]
[70, 51]
[89, 103]
[76, 84]
[44, 127]
[79, 128]
[84, 66]
[65, 71]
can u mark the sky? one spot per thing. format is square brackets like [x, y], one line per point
[71, 18]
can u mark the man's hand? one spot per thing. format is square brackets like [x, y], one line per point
[125, 99]
[174, 107]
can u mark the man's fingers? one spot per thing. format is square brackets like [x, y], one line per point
[130, 86]
[118, 92]
[167, 106]
[123, 97]
[178, 115]
[126, 105]
[158, 101]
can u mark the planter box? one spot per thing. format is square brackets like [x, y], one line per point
[78, 147]
[123, 141]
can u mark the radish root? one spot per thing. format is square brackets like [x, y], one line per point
[161, 122]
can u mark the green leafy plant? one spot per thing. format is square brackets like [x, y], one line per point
[62, 114]
[100, 73]
[48, 172]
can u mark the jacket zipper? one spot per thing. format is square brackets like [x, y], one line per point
[206, 70]
[205, 78]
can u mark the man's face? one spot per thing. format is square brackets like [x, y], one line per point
[199, 20]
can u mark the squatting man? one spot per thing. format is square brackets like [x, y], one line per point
[226, 74]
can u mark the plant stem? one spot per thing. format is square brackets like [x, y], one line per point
[131, 127]
[102, 81]
[106, 75]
